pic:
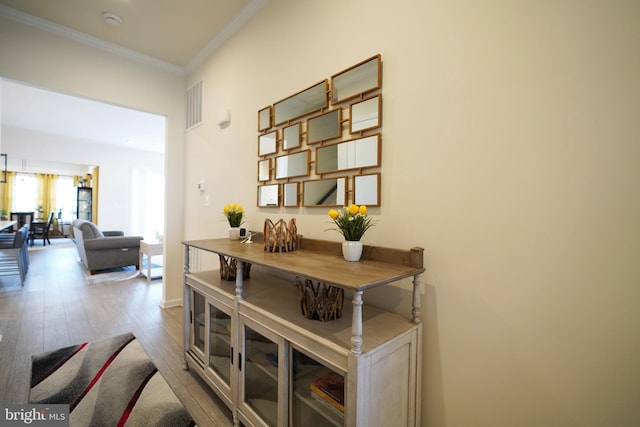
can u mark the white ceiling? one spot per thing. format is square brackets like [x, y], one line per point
[173, 34]
[44, 111]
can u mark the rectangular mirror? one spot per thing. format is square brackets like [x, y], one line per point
[291, 191]
[354, 81]
[293, 165]
[264, 170]
[264, 119]
[291, 136]
[268, 143]
[354, 154]
[302, 103]
[365, 114]
[366, 189]
[268, 195]
[325, 126]
[325, 192]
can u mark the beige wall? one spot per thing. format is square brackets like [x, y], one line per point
[42, 59]
[510, 153]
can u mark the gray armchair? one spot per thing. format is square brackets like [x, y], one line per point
[101, 250]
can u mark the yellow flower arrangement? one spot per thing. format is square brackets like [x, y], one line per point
[234, 214]
[352, 221]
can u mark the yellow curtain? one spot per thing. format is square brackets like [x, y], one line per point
[6, 193]
[46, 196]
[95, 178]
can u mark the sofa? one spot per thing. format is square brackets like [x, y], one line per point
[100, 250]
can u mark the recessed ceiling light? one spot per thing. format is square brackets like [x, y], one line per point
[112, 19]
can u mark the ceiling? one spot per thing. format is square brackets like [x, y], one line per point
[173, 34]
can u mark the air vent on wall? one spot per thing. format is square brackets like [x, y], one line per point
[194, 105]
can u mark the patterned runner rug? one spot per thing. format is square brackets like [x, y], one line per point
[111, 382]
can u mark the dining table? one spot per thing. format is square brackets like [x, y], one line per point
[7, 224]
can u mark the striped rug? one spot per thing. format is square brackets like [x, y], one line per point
[111, 382]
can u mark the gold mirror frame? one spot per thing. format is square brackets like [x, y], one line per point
[357, 153]
[307, 101]
[264, 170]
[325, 126]
[293, 165]
[264, 119]
[291, 136]
[356, 80]
[366, 189]
[268, 143]
[290, 193]
[269, 196]
[366, 114]
[325, 192]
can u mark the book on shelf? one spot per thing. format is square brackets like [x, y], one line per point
[329, 388]
[326, 404]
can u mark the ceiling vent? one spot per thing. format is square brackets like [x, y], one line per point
[194, 106]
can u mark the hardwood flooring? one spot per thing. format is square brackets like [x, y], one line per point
[56, 308]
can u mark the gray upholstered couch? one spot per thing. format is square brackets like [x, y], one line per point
[101, 250]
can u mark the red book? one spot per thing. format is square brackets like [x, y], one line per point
[332, 385]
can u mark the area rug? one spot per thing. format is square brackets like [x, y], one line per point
[111, 275]
[111, 382]
[115, 274]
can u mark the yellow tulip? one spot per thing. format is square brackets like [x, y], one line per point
[233, 207]
[353, 209]
[333, 214]
[363, 210]
[240, 208]
[226, 208]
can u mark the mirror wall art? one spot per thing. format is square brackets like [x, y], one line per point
[291, 137]
[322, 146]
[264, 119]
[267, 143]
[268, 196]
[290, 194]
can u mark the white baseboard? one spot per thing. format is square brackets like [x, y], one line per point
[171, 303]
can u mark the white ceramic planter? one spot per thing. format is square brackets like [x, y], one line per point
[352, 251]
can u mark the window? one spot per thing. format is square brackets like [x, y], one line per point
[65, 197]
[25, 193]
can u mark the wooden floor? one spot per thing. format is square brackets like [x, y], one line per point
[56, 308]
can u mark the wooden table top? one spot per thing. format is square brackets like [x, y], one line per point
[329, 268]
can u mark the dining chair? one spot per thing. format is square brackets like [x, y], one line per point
[40, 230]
[23, 218]
[14, 255]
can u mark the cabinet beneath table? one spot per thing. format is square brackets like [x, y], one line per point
[269, 363]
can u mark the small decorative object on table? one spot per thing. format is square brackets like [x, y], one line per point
[228, 267]
[280, 237]
[234, 214]
[352, 223]
[319, 301]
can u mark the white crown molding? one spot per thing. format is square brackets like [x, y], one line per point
[236, 23]
[77, 36]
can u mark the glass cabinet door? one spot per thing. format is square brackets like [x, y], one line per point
[260, 374]
[83, 205]
[220, 343]
[198, 324]
[316, 394]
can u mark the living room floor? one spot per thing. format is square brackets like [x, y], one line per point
[56, 308]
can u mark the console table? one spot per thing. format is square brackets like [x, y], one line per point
[250, 342]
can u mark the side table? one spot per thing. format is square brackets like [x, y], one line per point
[150, 249]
